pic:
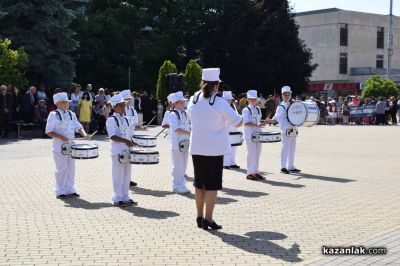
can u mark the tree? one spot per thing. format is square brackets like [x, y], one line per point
[376, 87]
[162, 90]
[12, 64]
[42, 28]
[192, 76]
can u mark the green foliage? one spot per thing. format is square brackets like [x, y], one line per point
[162, 90]
[12, 64]
[192, 76]
[42, 28]
[376, 87]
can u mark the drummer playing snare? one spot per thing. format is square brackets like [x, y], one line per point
[288, 133]
[61, 126]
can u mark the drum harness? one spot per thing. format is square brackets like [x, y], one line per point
[291, 132]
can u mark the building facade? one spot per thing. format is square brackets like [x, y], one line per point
[348, 47]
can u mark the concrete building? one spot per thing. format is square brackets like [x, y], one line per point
[348, 47]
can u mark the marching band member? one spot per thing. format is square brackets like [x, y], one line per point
[288, 133]
[120, 132]
[252, 125]
[209, 142]
[179, 127]
[61, 126]
[133, 117]
[230, 159]
[165, 122]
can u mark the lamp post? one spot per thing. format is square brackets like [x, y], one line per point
[390, 41]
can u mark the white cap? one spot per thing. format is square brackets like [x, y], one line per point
[252, 94]
[178, 96]
[286, 89]
[227, 95]
[126, 94]
[211, 74]
[60, 97]
[169, 97]
[116, 99]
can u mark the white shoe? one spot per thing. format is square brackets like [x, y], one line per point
[181, 191]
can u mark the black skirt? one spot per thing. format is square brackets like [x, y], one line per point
[208, 172]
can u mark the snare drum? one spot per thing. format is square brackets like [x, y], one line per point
[144, 157]
[303, 113]
[266, 137]
[236, 138]
[145, 141]
[184, 145]
[84, 151]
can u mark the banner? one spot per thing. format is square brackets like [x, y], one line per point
[363, 111]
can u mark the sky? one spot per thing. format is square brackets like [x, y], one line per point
[369, 6]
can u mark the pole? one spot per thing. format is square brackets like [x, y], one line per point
[129, 78]
[390, 41]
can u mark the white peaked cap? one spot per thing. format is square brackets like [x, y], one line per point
[252, 94]
[169, 97]
[60, 97]
[286, 89]
[211, 74]
[227, 95]
[116, 99]
[126, 94]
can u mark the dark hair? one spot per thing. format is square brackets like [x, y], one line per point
[207, 87]
[87, 95]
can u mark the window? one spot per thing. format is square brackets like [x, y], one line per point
[343, 63]
[380, 37]
[379, 61]
[343, 35]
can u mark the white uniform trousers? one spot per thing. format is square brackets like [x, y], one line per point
[179, 165]
[253, 156]
[121, 175]
[230, 159]
[287, 152]
[65, 174]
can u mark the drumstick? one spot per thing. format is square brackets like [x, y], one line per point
[160, 132]
[94, 133]
[152, 120]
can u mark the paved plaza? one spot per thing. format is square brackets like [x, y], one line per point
[347, 194]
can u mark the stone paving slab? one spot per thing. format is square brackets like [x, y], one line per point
[348, 193]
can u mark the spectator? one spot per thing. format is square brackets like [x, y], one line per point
[398, 109]
[95, 117]
[41, 114]
[107, 93]
[75, 98]
[380, 111]
[393, 108]
[85, 111]
[101, 98]
[345, 112]
[160, 112]
[261, 104]
[41, 94]
[6, 105]
[138, 107]
[17, 99]
[154, 106]
[89, 89]
[270, 106]
[104, 114]
[146, 107]
[28, 105]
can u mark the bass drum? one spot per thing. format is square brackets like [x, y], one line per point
[303, 113]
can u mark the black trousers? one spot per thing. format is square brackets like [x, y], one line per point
[380, 119]
[5, 121]
[394, 118]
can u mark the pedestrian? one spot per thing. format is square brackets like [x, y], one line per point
[6, 106]
[85, 111]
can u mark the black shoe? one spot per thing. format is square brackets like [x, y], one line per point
[199, 221]
[295, 170]
[226, 167]
[76, 195]
[120, 204]
[133, 184]
[285, 171]
[235, 166]
[131, 202]
[212, 225]
[62, 196]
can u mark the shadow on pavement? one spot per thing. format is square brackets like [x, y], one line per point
[220, 200]
[151, 214]
[281, 184]
[83, 204]
[259, 243]
[243, 193]
[324, 178]
[149, 192]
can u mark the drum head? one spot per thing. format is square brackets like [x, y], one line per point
[84, 147]
[297, 113]
[143, 137]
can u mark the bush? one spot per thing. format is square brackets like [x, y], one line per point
[376, 87]
[162, 90]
